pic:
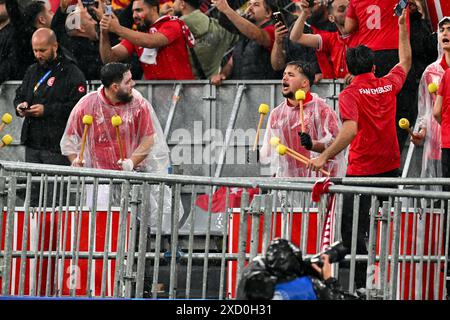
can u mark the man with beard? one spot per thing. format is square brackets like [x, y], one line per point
[320, 121]
[144, 145]
[251, 55]
[161, 42]
[49, 90]
[212, 41]
[140, 131]
[333, 44]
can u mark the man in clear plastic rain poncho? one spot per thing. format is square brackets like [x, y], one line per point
[430, 131]
[320, 122]
[143, 142]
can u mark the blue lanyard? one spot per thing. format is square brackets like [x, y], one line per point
[42, 80]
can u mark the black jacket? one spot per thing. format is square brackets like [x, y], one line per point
[59, 93]
[8, 55]
[252, 61]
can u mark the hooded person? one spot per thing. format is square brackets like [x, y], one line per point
[430, 130]
[143, 146]
[320, 121]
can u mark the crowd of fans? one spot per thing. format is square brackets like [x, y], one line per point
[214, 40]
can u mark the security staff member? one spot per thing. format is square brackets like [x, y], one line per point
[50, 89]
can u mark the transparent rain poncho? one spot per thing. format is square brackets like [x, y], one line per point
[139, 124]
[320, 122]
[431, 158]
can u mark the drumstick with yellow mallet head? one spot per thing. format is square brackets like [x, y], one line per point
[116, 121]
[6, 119]
[6, 140]
[263, 110]
[87, 121]
[433, 88]
[300, 96]
[275, 142]
[404, 124]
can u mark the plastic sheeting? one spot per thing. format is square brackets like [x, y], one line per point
[321, 123]
[139, 122]
[431, 159]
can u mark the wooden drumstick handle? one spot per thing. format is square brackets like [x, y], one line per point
[261, 119]
[120, 143]
[83, 142]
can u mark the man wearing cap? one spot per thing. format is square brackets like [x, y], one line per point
[161, 42]
[212, 40]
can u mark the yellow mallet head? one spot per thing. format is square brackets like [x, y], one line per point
[274, 141]
[281, 149]
[300, 95]
[87, 119]
[403, 123]
[7, 139]
[263, 108]
[116, 120]
[7, 118]
[433, 87]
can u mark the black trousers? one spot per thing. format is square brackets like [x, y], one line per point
[363, 226]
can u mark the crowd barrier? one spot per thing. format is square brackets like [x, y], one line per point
[57, 244]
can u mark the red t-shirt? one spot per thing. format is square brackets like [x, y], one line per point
[444, 92]
[323, 59]
[270, 29]
[172, 60]
[377, 24]
[334, 45]
[371, 102]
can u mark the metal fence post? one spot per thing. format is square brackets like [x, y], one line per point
[243, 221]
[143, 230]
[119, 274]
[135, 208]
[384, 250]
[255, 213]
[395, 249]
[9, 237]
[371, 249]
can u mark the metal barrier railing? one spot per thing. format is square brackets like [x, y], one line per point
[60, 243]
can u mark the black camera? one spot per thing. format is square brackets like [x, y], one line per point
[336, 253]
